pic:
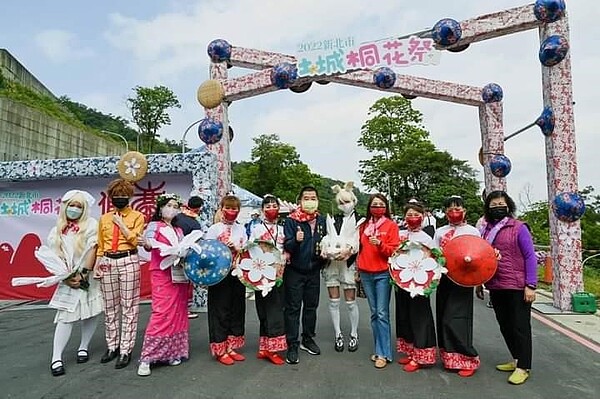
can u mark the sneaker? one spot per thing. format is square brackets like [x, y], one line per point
[291, 357]
[339, 343]
[353, 343]
[508, 366]
[380, 363]
[144, 369]
[309, 345]
[489, 305]
[175, 362]
[518, 377]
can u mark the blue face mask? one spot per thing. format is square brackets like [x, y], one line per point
[73, 213]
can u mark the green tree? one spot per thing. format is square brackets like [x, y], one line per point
[149, 110]
[416, 168]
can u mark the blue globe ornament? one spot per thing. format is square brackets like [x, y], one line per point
[219, 50]
[546, 121]
[553, 50]
[446, 32]
[210, 265]
[549, 10]
[210, 131]
[492, 93]
[568, 206]
[284, 75]
[500, 165]
[384, 78]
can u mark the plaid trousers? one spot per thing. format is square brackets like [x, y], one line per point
[121, 290]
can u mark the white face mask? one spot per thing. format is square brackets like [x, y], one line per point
[346, 208]
[169, 213]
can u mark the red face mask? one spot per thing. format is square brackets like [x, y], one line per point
[271, 214]
[455, 217]
[230, 215]
[413, 222]
[377, 212]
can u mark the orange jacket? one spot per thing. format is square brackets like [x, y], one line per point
[374, 258]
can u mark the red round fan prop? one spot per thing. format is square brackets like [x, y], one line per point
[470, 260]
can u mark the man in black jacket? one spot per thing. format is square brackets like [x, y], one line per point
[303, 231]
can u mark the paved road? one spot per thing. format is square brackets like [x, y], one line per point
[562, 368]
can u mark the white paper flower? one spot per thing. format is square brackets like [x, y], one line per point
[131, 166]
[265, 287]
[413, 266]
[415, 290]
[259, 265]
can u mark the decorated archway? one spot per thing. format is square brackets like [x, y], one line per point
[281, 71]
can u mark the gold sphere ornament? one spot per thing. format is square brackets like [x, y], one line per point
[211, 94]
[132, 166]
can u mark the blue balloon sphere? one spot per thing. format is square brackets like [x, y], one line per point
[210, 131]
[500, 165]
[210, 266]
[549, 10]
[492, 93]
[553, 50]
[446, 32]
[219, 50]
[546, 121]
[568, 206]
[384, 78]
[284, 75]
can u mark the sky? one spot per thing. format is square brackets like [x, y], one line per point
[96, 52]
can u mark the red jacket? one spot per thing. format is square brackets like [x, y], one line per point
[374, 258]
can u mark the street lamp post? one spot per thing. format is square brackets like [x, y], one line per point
[118, 135]
[185, 134]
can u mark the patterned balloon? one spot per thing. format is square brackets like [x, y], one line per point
[209, 266]
[500, 165]
[384, 78]
[210, 131]
[446, 32]
[284, 75]
[568, 206]
[219, 50]
[492, 93]
[553, 50]
[546, 121]
[549, 10]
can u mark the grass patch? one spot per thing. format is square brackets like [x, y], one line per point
[591, 281]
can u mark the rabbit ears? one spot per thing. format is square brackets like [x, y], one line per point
[345, 194]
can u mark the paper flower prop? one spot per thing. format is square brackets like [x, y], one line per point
[416, 268]
[333, 243]
[173, 251]
[132, 166]
[257, 267]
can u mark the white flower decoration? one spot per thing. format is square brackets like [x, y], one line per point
[260, 265]
[265, 287]
[413, 266]
[415, 290]
[131, 166]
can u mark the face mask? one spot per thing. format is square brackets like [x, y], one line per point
[310, 206]
[377, 212]
[73, 213]
[119, 202]
[229, 215]
[499, 212]
[168, 212]
[271, 214]
[413, 222]
[346, 208]
[455, 217]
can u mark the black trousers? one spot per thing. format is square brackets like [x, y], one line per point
[414, 320]
[454, 318]
[514, 318]
[226, 309]
[270, 313]
[301, 292]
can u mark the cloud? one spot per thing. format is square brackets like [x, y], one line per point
[60, 46]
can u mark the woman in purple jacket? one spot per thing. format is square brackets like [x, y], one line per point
[512, 288]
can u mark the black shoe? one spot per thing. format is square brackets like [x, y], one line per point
[489, 305]
[308, 344]
[353, 343]
[109, 355]
[291, 357]
[123, 361]
[339, 343]
[59, 369]
[82, 356]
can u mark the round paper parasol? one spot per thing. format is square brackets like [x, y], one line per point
[470, 260]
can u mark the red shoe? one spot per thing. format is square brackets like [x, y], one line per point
[466, 373]
[275, 358]
[262, 355]
[225, 359]
[236, 356]
[404, 360]
[411, 366]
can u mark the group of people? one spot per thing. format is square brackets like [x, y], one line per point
[108, 278]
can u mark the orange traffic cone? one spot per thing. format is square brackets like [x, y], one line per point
[548, 275]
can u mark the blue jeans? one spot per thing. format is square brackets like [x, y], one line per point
[378, 289]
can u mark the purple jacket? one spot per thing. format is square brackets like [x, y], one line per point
[517, 267]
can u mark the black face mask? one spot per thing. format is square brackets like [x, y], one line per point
[498, 212]
[119, 202]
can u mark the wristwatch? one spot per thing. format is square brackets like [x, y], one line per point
[531, 286]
